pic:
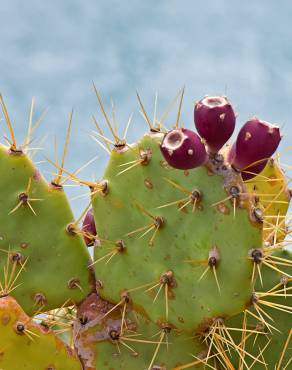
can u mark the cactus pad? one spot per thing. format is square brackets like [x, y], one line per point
[170, 240]
[44, 261]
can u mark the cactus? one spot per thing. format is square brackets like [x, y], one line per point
[188, 268]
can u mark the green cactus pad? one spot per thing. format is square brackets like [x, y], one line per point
[27, 345]
[34, 239]
[177, 351]
[152, 253]
[141, 345]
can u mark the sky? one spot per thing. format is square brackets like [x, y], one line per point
[54, 50]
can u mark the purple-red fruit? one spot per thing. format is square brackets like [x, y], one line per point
[255, 144]
[183, 149]
[215, 121]
[88, 228]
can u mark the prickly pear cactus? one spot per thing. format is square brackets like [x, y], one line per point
[188, 267]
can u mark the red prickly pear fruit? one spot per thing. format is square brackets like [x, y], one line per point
[215, 121]
[88, 228]
[183, 149]
[255, 144]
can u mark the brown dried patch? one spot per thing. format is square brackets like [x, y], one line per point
[5, 318]
[222, 208]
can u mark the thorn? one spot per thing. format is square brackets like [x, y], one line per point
[144, 112]
[59, 176]
[117, 140]
[179, 108]
[13, 147]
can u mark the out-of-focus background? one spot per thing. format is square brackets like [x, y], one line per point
[54, 50]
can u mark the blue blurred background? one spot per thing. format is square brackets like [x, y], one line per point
[54, 50]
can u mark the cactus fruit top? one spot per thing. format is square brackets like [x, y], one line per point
[255, 144]
[183, 149]
[215, 121]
